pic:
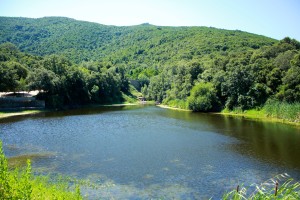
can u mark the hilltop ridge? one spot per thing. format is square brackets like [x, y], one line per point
[84, 41]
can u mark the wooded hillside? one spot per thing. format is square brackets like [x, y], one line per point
[200, 68]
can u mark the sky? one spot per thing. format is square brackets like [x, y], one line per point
[273, 18]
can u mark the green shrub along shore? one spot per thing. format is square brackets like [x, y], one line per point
[273, 110]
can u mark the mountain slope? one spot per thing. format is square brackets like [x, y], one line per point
[147, 44]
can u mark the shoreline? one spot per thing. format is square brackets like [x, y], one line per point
[173, 108]
[258, 118]
[4, 114]
[255, 117]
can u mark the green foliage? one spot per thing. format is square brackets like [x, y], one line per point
[61, 82]
[283, 110]
[268, 190]
[176, 103]
[42, 79]
[203, 98]
[290, 89]
[135, 45]
[20, 184]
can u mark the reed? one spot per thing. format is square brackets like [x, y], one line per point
[283, 110]
[271, 189]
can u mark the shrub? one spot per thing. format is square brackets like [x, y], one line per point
[203, 98]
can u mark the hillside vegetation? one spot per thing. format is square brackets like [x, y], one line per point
[199, 68]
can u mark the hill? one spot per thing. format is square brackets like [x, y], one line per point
[200, 68]
[147, 44]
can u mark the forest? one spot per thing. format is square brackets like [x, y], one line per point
[198, 68]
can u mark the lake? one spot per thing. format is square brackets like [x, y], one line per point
[143, 152]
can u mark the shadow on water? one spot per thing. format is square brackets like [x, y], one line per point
[268, 141]
[92, 110]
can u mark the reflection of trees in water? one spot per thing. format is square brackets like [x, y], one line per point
[273, 142]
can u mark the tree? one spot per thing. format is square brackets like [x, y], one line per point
[238, 82]
[203, 98]
[43, 80]
[74, 89]
[290, 89]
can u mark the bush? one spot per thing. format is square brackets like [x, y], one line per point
[203, 98]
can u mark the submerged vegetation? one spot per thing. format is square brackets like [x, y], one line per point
[21, 184]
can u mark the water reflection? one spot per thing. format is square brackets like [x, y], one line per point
[273, 142]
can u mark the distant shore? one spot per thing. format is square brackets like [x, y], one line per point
[257, 116]
[250, 114]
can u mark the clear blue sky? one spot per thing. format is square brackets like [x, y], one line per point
[272, 18]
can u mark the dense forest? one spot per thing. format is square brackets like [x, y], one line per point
[62, 82]
[200, 68]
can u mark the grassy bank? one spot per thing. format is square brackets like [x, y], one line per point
[172, 107]
[283, 110]
[21, 184]
[274, 111]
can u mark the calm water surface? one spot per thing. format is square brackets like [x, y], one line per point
[143, 152]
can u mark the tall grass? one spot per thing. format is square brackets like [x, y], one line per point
[20, 184]
[283, 110]
[270, 189]
[176, 103]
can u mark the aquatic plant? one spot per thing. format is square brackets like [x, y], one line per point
[271, 189]
[21, 184]
[283, 110]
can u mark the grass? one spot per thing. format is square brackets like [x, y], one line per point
[131, 96]
[271, 189]
[274, 111]
[175, 104]
[283, 110]
[21, 184]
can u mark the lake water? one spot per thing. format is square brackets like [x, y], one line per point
[143, 152]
